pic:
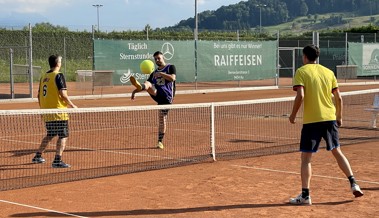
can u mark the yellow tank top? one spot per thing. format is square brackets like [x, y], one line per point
[50, 98]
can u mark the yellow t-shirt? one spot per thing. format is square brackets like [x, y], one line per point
[49, 97]
[319, 83]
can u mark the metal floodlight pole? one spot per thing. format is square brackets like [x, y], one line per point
[196, 38]
[260, 16]
[196, 21]
[98, 20]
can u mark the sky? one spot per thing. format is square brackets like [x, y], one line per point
[113, 15]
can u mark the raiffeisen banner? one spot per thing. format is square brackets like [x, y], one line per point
[236, 60]
[212, 61]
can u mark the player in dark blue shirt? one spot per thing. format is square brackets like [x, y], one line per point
[161, 87]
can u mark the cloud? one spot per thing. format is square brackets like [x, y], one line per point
[31, 6]
[200, 2]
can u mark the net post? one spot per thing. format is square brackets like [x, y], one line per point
[213, 149]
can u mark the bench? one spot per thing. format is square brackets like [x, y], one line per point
[375, 110]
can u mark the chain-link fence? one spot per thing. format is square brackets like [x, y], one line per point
[77, 51]
[14, 51]
[333, 47]
[17, 76]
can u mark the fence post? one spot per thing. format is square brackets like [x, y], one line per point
[346, 45]
[11, 72]
[316, 42]
[30, 62]
[64, 55]
[277, 60]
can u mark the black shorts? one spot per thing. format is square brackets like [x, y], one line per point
[59, 128]
[160, 99]
[312, 133]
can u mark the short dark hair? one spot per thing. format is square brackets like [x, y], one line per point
[157, 53]
[312, 52]
[53, 60]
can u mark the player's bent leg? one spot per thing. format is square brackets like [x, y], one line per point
[38, 156]
[344, 165]
[135, 83]
[342, 161]
[150, 88]
[58, 163]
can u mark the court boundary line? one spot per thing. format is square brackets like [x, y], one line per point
[297, 173]
[127, 95]
[42, 209]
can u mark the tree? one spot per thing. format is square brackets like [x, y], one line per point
[48, 27]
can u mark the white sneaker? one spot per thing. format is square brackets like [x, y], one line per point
[299, 200]
[356, 191]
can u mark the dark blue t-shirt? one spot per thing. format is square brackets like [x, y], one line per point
[165, 88]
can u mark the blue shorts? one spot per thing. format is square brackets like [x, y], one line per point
[59, 128]
[312, 133]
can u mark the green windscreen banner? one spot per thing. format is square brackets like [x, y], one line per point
[236, 60]
[366, 57]
[124, 57]
[212, 61]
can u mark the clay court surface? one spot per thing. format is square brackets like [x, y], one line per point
[250, 187]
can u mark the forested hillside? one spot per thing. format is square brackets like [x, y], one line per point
[246, 14]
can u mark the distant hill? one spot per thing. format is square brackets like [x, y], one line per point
[322, 23]
[249, 14]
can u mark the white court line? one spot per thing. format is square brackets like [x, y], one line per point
[43, 209]
[296, 173]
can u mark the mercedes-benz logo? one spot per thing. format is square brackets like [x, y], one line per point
[168, 51]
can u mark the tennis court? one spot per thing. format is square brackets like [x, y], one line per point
[244, 182]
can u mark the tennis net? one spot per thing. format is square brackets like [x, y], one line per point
[117, 140]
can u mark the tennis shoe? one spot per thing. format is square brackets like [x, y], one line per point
[38, 160]
[135, 83]
[160, 145]
[357, 192]
[60, 164]
[299, 200]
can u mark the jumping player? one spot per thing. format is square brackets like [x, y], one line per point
[161, 87]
